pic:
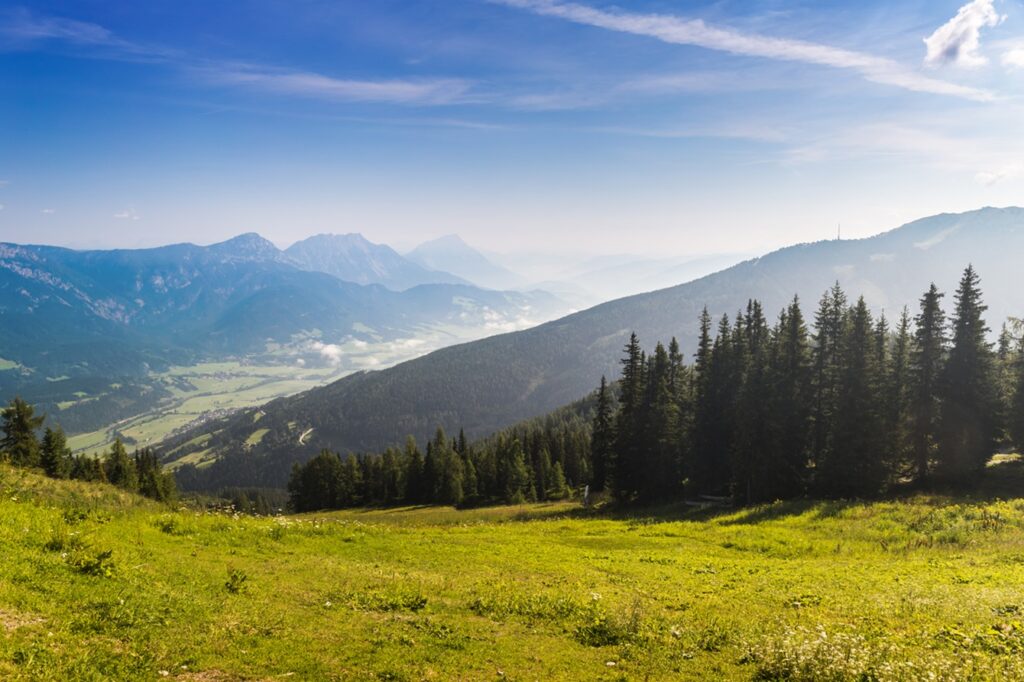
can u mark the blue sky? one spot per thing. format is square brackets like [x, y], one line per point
[655, 126]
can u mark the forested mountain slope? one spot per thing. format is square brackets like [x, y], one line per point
[487, 384]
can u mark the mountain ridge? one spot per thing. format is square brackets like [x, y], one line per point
[493, 382]
[353, 258]
[75, 317]
[451, 253]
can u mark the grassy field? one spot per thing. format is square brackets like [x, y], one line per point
[96, 584]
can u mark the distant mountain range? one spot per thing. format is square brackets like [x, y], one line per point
[353, 258]
[451, 254]
[496, 381]
[72, 315]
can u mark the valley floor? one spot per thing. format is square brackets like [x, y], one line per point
[98, 584]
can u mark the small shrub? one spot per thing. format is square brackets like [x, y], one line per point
[75, 515]
[600, 630]
[603, 629]
[1007, 610]
[174, 525]
[503, 604]
[713, 636]
[801, 601]
[443, 634]
[385, 601]
[236, 581]
[62, 539]
[100, 564]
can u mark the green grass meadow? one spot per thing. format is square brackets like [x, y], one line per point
[96, 584]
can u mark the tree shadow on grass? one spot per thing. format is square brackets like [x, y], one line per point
[1003, 479]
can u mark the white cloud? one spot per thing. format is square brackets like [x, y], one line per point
[680, 31]
[1, 207]
[330, 352]
[306, 84]
[48, 211]
[958, 40]
[127, 214]
[1014, 58]
[1008, 172]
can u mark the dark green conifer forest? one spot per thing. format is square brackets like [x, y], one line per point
[850, 407]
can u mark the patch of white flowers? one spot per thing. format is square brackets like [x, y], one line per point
[805, 655]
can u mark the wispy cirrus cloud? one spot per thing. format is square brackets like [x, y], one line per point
[21, 29]
[20, 25]
[435, 91]
[695, 32]
[958, 40]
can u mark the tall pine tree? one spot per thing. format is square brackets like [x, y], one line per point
[19, 444]
[602, 446]
[629, 422]
[969, 425]
[927, 359]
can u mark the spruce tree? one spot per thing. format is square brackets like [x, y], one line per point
[602, 446]
[1015, 420]
[431, 475]
[349, 488]
[391, 477]
[927, 359]
[154, 482]
[828, 324]
[516, 476]
[449, 470]
[19, 443]
[559, 489]
[897, 389]
[969, 425]
[854, 465]
[751, 454]
[628, 423]
[55, 455]
[120, 468]
[314, 486]
[790, 407]
[1007, 355]
[415, 488]
[699, 465]
[712, 471]
[659, 477]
